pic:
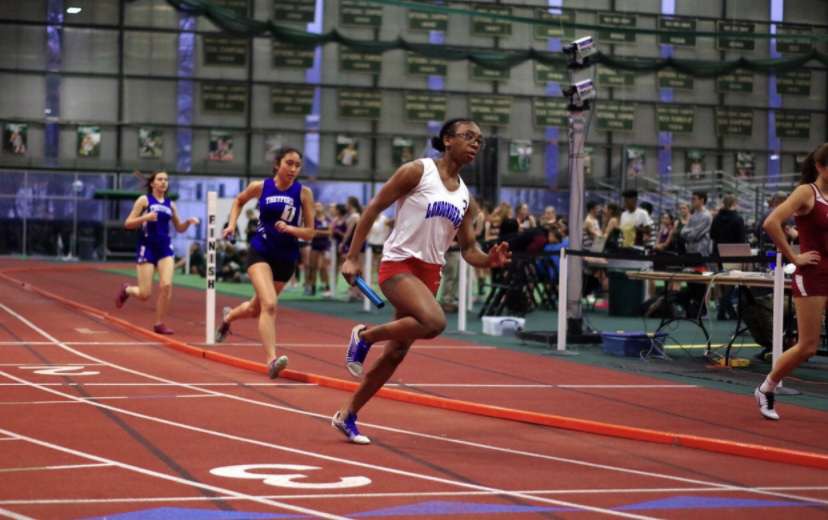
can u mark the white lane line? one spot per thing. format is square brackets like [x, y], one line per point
[173, 478]
[242, 384]
[42, 365]
[415, 494]
[148, 385]
[109, 398]
[14, 516]
[340, 346]
[317, 455]
[54, 468]
[450, 440]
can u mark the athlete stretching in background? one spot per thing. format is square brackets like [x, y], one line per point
[433, 205]
[152, 214]
[274, 249]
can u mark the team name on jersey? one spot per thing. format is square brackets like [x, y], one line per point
[160, 208]
[275, 199]
[446, 210]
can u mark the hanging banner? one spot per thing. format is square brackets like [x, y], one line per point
[402, 150]
[670, 78]
[347, 150]
[425, 107]
[16, 138]
[150, 143]
[793, 46]
[520, 155]
[362, 104]
[238, 7]
[488, 27]
[797, 83]
[299, 11]
[291, 57]
[608, 77]
[483, 74]
[734, 43]
[545, 73]
[679, 26]
[422, 65]
[675, 119]
[360, 14]
[745, 165]
[615, 115]
[426, 21]
[612, 20]
[490, 110]
[224, 50]
[89, 141]
[739, 82]
[794, 125]
[221, 146]
[694, 164]
[352, 61]
[550, 112]
[223, 97]
[636, 159]
[297, 101]
[734, 121]
[551, 29]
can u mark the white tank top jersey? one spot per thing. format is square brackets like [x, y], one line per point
[427, 219]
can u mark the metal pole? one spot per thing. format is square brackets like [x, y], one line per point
[577, 138]
[210, 321]
[562, 276]
[462, 293]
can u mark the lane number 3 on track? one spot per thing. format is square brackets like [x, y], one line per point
[267, 474]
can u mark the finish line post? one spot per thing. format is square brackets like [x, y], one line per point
[210, 332]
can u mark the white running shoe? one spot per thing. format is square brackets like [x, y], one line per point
[276, 366]
[766, 402]
[349, 428]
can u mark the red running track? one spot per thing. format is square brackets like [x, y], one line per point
[98, 421]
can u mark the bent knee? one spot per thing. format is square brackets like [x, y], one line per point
[433, 326]
[165, 287]
[268, 308]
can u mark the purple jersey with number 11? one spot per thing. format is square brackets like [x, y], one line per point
[276, 205]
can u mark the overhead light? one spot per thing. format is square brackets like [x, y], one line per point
[73, 10]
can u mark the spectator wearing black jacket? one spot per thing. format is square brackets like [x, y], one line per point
[728, 227]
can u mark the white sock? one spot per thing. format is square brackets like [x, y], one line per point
[768, 386]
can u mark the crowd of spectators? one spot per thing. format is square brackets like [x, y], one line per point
[689, 228]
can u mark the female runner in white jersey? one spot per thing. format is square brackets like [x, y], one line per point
[433, 205]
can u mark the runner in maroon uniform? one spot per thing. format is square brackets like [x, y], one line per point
[809, 204]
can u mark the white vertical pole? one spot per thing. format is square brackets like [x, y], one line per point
[778, 307]
[366, 273]
[210, 311]
[473, 281]
[332, 268]
[562, 307]
[462, 295]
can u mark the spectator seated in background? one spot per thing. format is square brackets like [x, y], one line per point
[198, 264]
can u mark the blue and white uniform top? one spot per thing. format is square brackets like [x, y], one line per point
[276, 205]
[158, 232]
[427, 219]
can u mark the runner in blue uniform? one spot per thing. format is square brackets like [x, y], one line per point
[151, 214]
[274, 249]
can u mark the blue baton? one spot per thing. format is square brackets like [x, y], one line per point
[368, 292]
